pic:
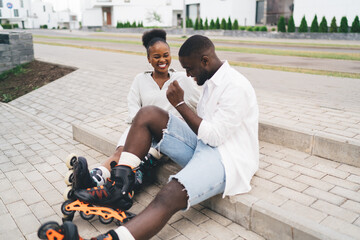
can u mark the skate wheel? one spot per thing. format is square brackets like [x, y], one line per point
[86, 216]
[64, 209]
[70, 160]
[69, 177]
[68, 193]
[106, 221]
[45, 227]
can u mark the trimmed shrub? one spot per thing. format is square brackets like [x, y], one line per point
[291, 24]
[201, 25]
[263, 29]
[7, 26]
[223, 24]
[344, 27]
[333, 26]
[242, 28]
[119, 25]
[303, 25]
[314, 25]
[281, 24]
[257, 29]
[212, 24]
[133, 25]
[355, 26]
[206, 24]
[235, 25]
[217, 24]
[229, 24]
[250, 29]
[189, 23]
[323, 28]
[197, 24]
[273, 29]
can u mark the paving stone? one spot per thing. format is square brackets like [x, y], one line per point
[320, 184]
[189, 229]
[24, 226]
[195, 216]
[342, 226]
[346, 193]
[295, 185]
[18, 209]
[335, 211]
[296, 196]
[30, 196]
[326, 196]
[352, 206]
[10, 196]
[342, 183]
[305, 211]
[217, 230]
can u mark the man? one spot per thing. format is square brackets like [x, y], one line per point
[217, 148]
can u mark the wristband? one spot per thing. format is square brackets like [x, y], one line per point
[180, 103]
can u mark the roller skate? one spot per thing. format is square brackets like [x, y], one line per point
[108, 201]
[145, 171]
[68, 231]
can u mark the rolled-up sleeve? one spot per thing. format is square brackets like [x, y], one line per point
[225, 119]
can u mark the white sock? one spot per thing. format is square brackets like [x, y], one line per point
[123, 233]
[129, 159]
[155, 153]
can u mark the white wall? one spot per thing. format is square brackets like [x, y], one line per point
[244, 11]
[92, 17]
[49, 17]
[327, 8]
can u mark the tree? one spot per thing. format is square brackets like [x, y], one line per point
[189, 23]
[153, 16]
[333, 26]
[197, 24]
[217, 24]
[281, 24]
[201, 25]
[323, 26]
[314, 25]
[355, 26]
[235, 25]
[223, 24]
[212, 24]
[344, 27]
[291, 24]
[303, 25]
[206, 24]
[229, 24]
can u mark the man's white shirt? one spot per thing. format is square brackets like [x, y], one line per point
[230, 113]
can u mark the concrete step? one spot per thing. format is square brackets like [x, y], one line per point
[325, 145]
[295, 195]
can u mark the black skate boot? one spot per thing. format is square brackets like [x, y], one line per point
[116, 193]
[145, 171]
[82, 177]
[68, 231]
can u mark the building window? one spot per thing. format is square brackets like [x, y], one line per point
[27, 13]
[16, 13]
[44, 8]
[1, 3]
[0, 13]
[22, 3]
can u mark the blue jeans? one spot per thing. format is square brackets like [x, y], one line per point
[202, 174]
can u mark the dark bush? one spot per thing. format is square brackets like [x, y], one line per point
[355, 26]
[323, 28]
[263, 29]
[303, 25]
[291, 24]
[196, 25]
[344, 27]
[281, 24]
[206, 24]
[201, 25]
[242, 28]
[212, 24]
[314, 25]
[229, 24]
[250, 29]
[217, 24]
[333, 26]
[235, 25]
[223, 24]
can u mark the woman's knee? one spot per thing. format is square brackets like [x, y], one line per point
[150, 115]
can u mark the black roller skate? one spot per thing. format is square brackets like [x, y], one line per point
[68, 231]
[108, 201]
[145, 171]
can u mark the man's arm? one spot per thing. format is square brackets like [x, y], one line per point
[175, 96]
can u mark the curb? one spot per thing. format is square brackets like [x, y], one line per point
[335, 148]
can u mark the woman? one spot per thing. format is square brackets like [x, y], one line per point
[148, 88]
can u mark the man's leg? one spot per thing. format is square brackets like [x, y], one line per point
[113, 158]
[168, 201]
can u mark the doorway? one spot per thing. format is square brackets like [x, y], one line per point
[106, 15]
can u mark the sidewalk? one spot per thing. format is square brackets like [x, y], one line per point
[315, 193]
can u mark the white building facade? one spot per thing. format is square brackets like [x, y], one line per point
[327, 9]
[15, 11]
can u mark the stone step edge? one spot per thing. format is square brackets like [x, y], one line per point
[259, 216]
[324, 145]
[336, 148]
[252, 213]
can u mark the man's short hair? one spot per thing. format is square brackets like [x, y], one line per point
[195, 44]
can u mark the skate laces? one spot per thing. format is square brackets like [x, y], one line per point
[100, 192]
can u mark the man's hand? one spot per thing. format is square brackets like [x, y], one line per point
[175, 94]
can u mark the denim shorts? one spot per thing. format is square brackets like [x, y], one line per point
[202, 174]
